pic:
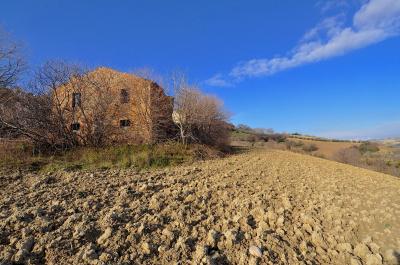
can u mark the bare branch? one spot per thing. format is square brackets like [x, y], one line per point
[12, 63]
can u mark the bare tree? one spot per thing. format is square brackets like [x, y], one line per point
[96, 111]
[62, 82]
[11, 60]
[199, 117]
[185, 101]
[47, 83]
[148, 73]
[25, 114]
[11, 66]
[40, 115]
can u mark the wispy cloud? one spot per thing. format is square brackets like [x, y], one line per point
[218, 80]
[383, 131]
[375, 21]
[332, 5]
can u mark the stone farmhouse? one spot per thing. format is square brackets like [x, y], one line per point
[119, 107]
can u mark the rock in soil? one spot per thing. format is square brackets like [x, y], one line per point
[260, 207]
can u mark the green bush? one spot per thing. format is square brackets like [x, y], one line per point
[368, 147]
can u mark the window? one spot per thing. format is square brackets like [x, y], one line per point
[124, 96]
[124, 123]
[76, 100]
[75, 126]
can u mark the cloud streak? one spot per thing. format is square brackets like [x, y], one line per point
[383, 131]
[375, 21]
[218, 80]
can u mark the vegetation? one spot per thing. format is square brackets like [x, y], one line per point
[291, 145]
[320, 139]
[200, 118]
[368, 155]
[368, 147]
[12, 62]
[36, 129]
[21, 155]
[310, 148]
[37, 135]
[245, 133]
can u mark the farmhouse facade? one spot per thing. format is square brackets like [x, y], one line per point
[122, 107]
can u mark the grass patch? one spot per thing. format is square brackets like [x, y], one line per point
[124, 156]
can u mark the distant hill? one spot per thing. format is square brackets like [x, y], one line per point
[392, 142]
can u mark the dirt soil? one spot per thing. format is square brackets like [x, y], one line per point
[263, 207]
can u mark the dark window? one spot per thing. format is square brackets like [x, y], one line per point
[76, 100]
[124, 96]
[75, 126]
[124, 123]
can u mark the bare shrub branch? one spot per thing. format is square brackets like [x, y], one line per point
[199, 117]
[12, 62]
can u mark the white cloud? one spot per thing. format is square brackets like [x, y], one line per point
[383, 14]
[328, 27]
[218, 80]
[374, 22]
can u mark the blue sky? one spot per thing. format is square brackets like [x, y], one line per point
[329, 68]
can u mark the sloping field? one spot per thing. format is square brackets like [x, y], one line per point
[288, 208]
[327, 148]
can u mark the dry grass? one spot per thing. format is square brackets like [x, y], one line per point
[14, 151]
[325, 148]
[18, 155]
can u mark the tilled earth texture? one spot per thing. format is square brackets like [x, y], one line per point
[262, 207]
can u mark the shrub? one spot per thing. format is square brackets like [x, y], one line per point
[320, 155]
[349, 156]
[310, 148]
[279, 138]
[200, 118]
[368, 147]
[293, 144]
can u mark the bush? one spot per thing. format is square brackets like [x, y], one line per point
[320, 155]
[349, 156]
[200, 118]
[279, 138]
[310, 148]
[376, 162]
[368, 147]
[293, 144]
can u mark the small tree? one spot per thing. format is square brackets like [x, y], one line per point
[199, 117]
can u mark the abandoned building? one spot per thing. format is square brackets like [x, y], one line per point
[116, 106]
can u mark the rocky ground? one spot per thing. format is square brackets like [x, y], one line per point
[263, 207]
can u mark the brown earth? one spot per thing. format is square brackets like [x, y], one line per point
[264, 207]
